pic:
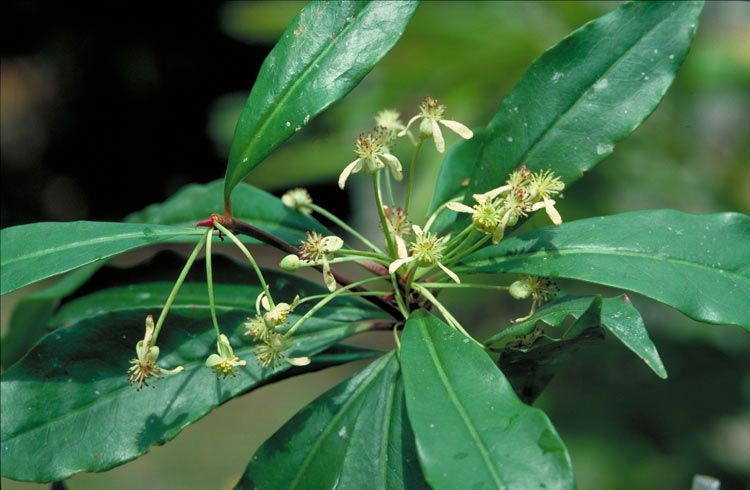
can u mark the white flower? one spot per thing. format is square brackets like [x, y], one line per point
[431, 114]
[225, 362]
[371, 152]
[145, 366]
[298, 199]
[317, 248]
[426, 250]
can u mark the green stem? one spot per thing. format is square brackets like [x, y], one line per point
[410, 177]
[363, 254]
[451, 245]
[381, 214]
[459, 256]
[210, 283]
[453, 285]
[344, 226]
[399, 300]
[450, 318]
[389, 189]
[340, 260]
[176, 287]
[250, 258]
[350, 294]
[326, 300]
[434, 215]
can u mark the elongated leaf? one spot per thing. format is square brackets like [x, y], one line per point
[471, 429]
[580, 97]
[354, 436]
[698, 264]
[530, 368]
[41, 250]
[618, 316]
[324, 53]
[196, 202]
[67, 406]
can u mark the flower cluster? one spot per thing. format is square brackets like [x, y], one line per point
[523, 192]
[264, 329]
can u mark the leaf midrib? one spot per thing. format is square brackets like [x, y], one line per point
[434, 357]
[616, 253]
[100, 240]
[287, 91]
[554, 123]
[342, 411]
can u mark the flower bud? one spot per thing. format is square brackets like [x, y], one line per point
[290, 263]
[520, 289]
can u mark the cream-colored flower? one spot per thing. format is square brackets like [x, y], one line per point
[426, 250]
[225, 363]
[372, 156]
[431, 113]
[273, 352]
[145, 366]
[298, 199]
[319, 249]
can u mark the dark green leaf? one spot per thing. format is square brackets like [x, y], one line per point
[196, 202]
[471, 429]
[530, 368]
[580, 97]
[354, 436]
[32, 312]
[618, 316]
[40, 250]
[324, 53]
[698, 264]
[67, 406]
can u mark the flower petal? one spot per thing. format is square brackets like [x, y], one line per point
[437, 136]
[549, 206]
[409, 124]
[460, 207]
[328, 278]
[401, 247]
[331, 243]
[353, 167]
[298, 361]
[450, 273]
[395, 165]
[396, 264]
[417, 230]
[213, 360]
[458, 128]
[492, 194]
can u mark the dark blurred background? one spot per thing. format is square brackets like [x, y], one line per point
[107, 108]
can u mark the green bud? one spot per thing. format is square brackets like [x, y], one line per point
[290, 263]
[520, 289]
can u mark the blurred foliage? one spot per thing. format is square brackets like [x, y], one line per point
[625, 428]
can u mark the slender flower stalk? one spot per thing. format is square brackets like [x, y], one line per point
[210, 284]
[344, 226]
[381, 214]
[410, 176]
[177, 286]
[447, 314]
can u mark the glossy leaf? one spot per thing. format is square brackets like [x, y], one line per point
[618, 316]
[698, 264]
[579, 98]
[471, 429]
[59, 399]
[324, 53]
[37, 251]
[354, 436]
[530, 368]
[196, 202]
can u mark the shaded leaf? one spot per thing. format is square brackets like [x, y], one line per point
[353, 436]
[530, 368]
[579, 98]
[58, 400]
[196, 202]
[698, 264]
[324, 53]
[471, 429]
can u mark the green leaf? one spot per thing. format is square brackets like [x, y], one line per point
[67, 406]
[618, 316]
[698, 264]
[196, 202]
[579, 98]
[530, 368]
[471, 429]
[37, 251]
[324, 53]
[32, 312]
[353, 436]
